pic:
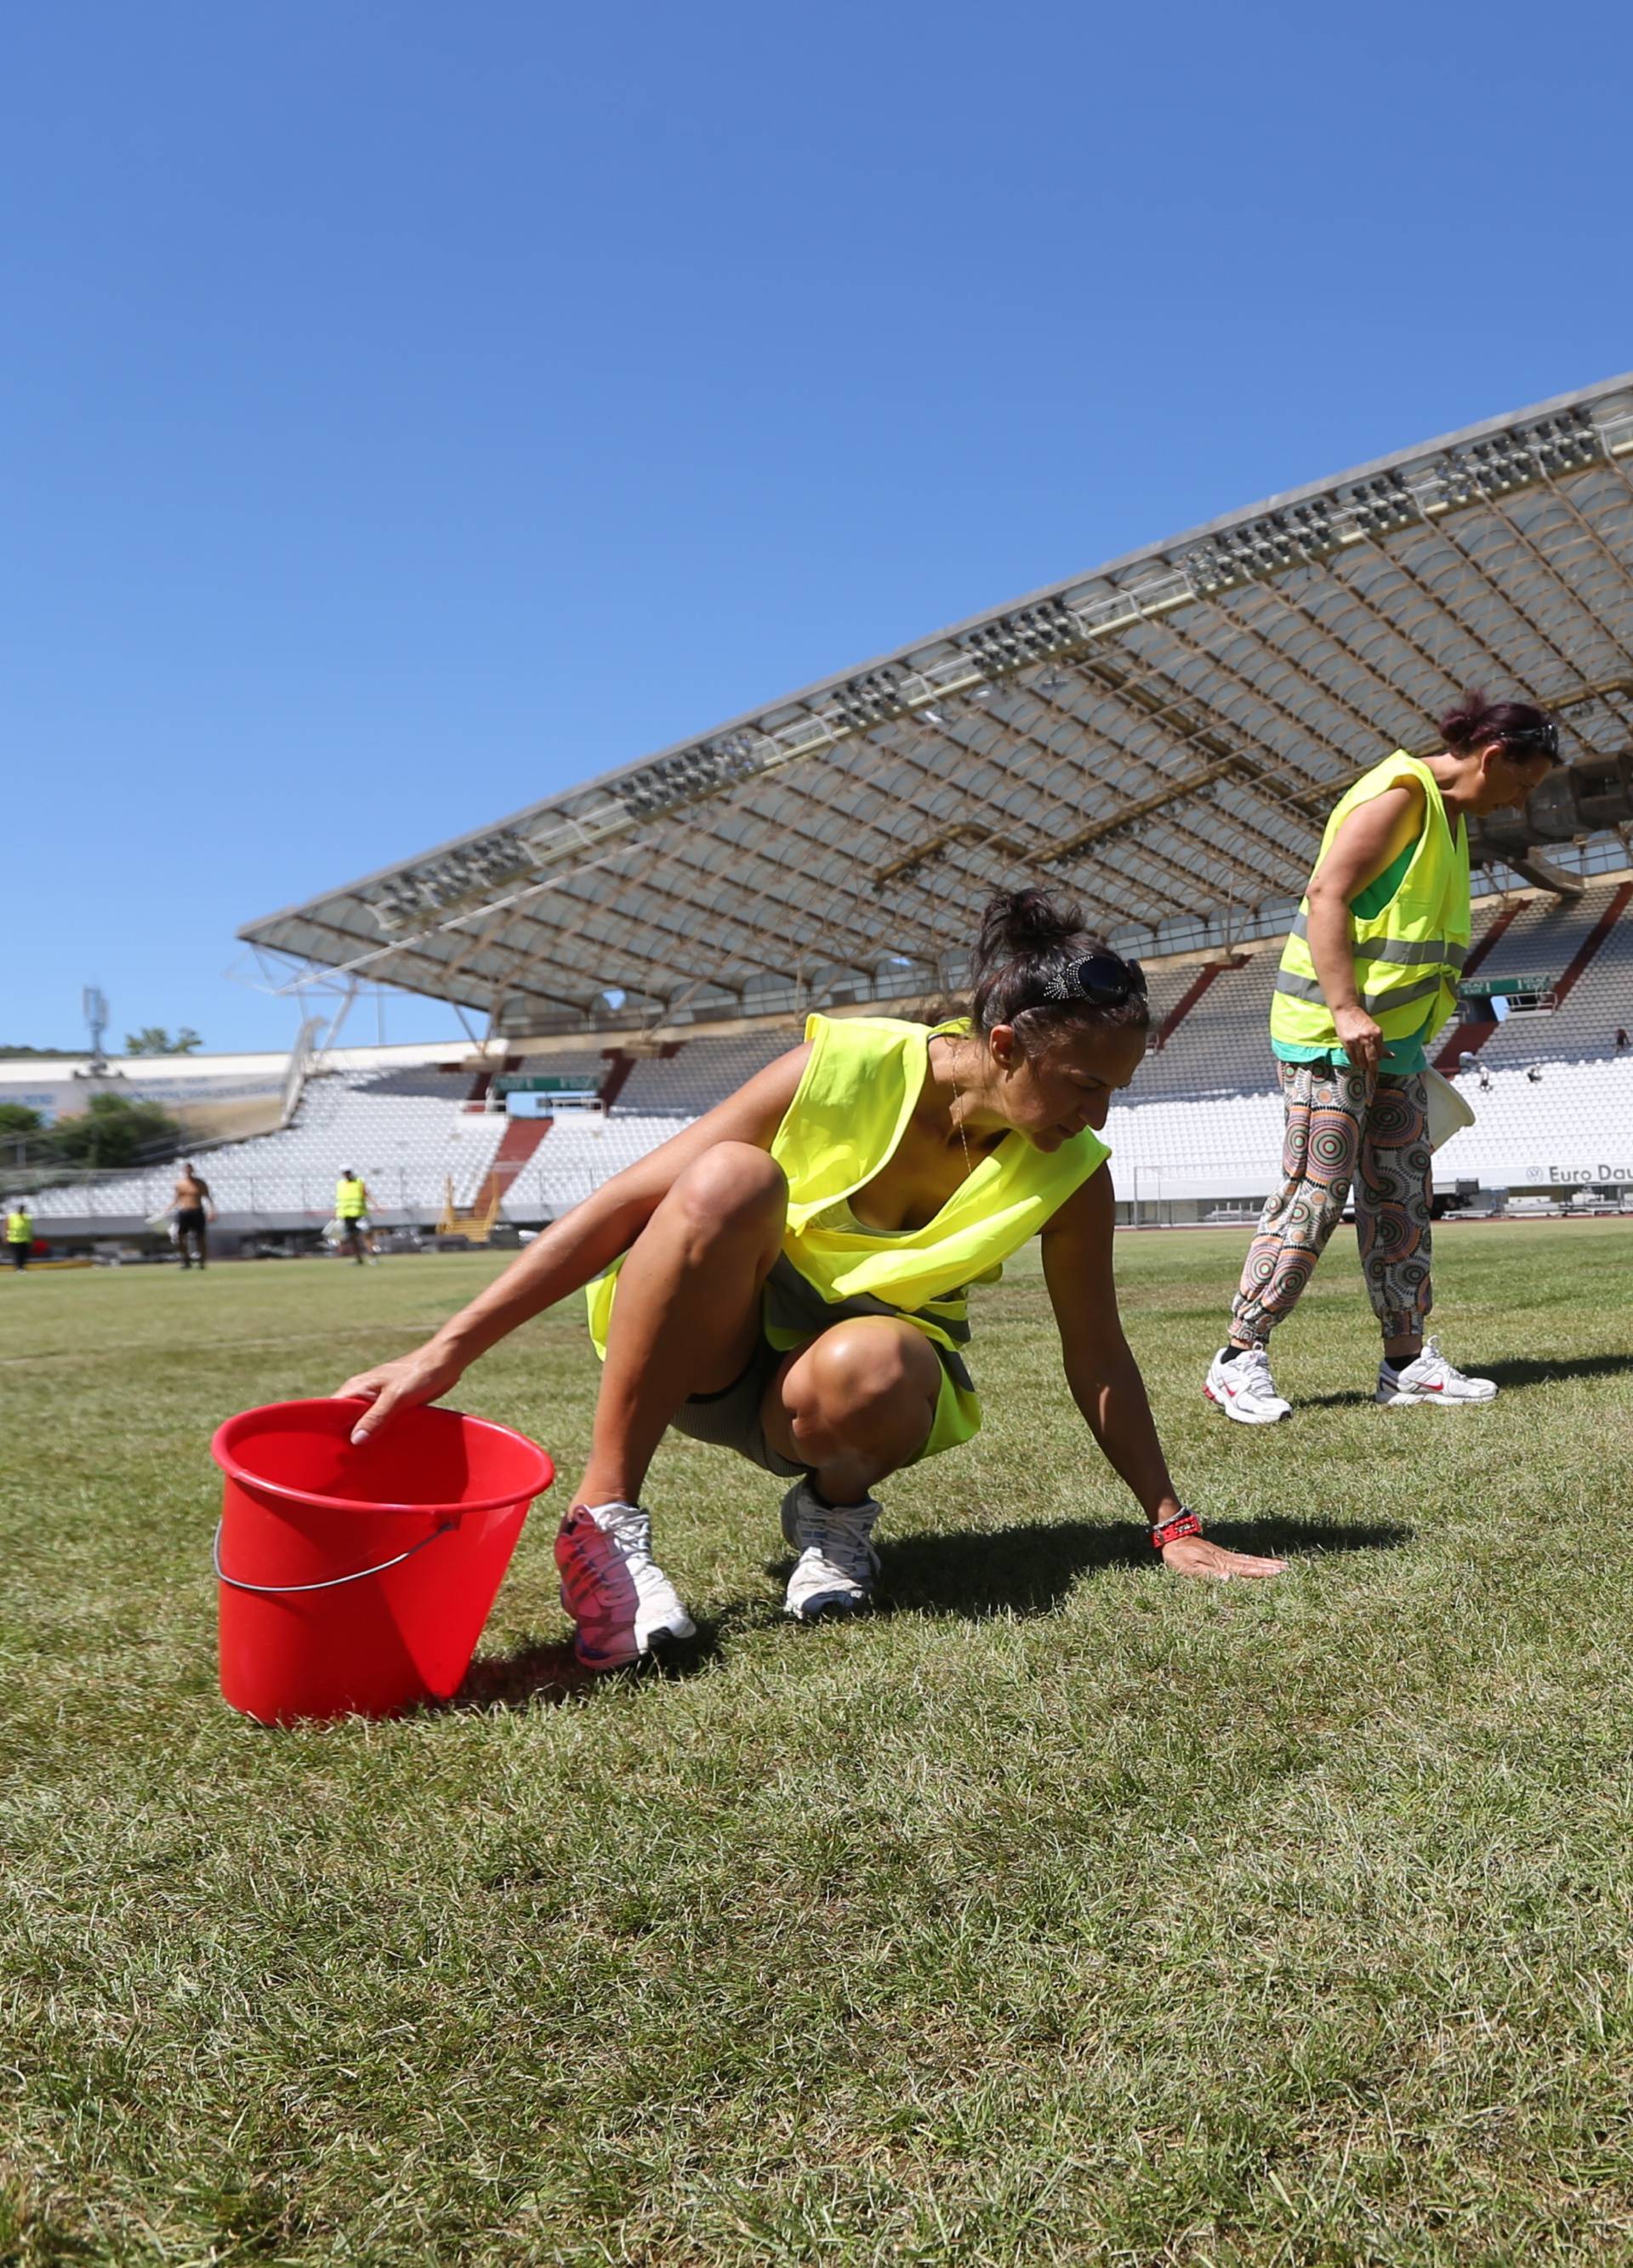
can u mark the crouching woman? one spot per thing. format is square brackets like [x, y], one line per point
[789, 1275]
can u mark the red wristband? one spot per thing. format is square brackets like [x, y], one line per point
[1184, 1523]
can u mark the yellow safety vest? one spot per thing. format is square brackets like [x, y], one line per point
[1409, 958]
[350, 1199]
[860, 1087]
[19, 1228]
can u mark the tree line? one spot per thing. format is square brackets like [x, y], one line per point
[113, 1130]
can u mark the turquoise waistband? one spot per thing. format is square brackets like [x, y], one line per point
[1400, 1059]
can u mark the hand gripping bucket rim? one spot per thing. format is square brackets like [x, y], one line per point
[221, 1449]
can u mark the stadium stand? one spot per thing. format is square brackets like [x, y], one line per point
[1174, 993]
[405, 1145]
[1222, 1046]
[583, 1150]
[1199, 1130]
[1571, 1129]
[702, 1072]
[1545, 940]
[1226, 1146]
[589, 1064]
[439, 1086]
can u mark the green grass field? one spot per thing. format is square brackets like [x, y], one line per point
[1068, 1914]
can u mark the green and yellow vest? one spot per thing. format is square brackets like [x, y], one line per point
[350, 1199]
[853, 1105]
[19, 1228]
[1407, 958]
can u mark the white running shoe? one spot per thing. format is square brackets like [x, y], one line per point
[1429, 1377]
[615, 1590]
[1245, 1389]
[835, 1573]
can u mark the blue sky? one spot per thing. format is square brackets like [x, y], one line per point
[405, 411]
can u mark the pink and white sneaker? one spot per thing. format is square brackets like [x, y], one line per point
[1429, 1377]
[1244, 1388]
[623, 1601]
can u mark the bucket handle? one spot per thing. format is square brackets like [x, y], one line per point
[277, 1590]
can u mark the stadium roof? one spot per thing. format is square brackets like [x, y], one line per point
[1163, 735]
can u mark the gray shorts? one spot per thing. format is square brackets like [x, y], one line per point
[731, 1419]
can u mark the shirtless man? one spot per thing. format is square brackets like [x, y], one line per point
[193, 1207]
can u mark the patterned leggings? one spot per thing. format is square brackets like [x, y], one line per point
[1343, 1124]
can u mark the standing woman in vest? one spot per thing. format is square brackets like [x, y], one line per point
[1367, 978]
[351, 1210]
[787, 1277]
[19, 1234]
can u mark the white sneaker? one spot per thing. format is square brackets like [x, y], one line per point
[835, 1573]
[1245, 1389]
[615, 1590]
[1429, 1377]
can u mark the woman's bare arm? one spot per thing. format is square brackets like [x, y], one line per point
[574, 1249]
[1104, 1378]
[1372, 836]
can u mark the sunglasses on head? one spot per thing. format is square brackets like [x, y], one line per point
[1105, 980]
[1533, 740]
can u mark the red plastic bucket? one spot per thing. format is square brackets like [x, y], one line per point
[356, 1582]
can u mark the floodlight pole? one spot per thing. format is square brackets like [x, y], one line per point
[93, 1001]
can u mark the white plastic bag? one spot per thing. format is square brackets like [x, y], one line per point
[1450, 1110]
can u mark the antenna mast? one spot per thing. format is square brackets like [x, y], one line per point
[93, 1003]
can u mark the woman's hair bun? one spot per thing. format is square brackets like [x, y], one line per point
[1019, 922]
[1476, 722]
[1461, 727]
[1027, 939]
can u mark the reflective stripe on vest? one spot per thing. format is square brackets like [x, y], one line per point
[1401, 996]
[1407, 956]
[1430, 951]
[855, 1102]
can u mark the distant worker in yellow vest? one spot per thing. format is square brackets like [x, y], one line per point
[19, 1234]
[788, 1276]
[1367, 978]
[351, 1210]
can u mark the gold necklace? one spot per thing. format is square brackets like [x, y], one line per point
[959, 1098]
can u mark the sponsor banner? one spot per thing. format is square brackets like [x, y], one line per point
[1582, 1174]
[540, 1083]
[525, 1105]
[1490, 988]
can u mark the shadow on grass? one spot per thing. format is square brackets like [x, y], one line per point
[1513, 1373]
[533, 1674]
[528, 1673]
[1028, 1571]
[1522, 1370]
[1287, 1537]
[1024, 1571]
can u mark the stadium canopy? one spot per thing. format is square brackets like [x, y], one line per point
[1163, 737]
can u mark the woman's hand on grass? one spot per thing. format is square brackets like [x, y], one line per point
[425, 1375]
[1193, 1555]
